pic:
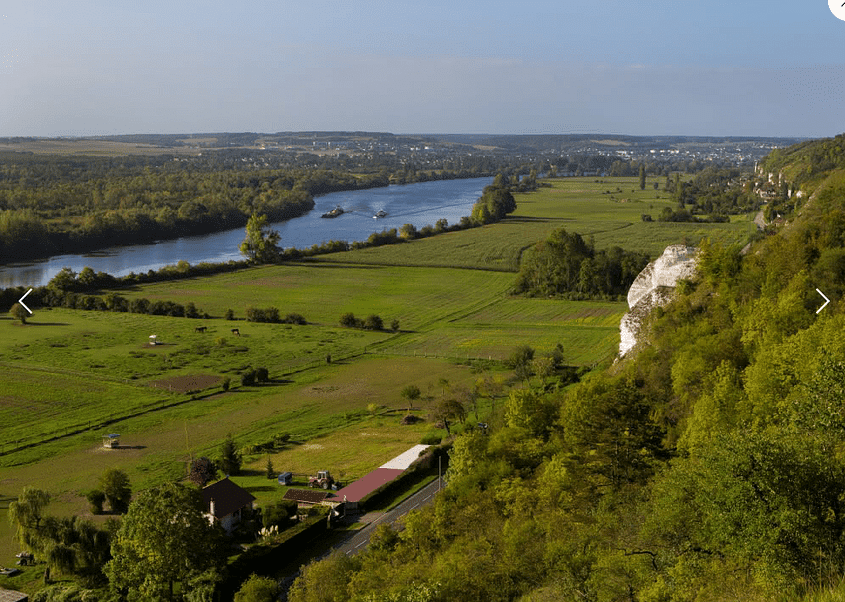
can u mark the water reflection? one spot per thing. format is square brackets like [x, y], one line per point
[419, 204]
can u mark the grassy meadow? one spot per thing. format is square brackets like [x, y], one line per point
[67, 377]
[608, 209]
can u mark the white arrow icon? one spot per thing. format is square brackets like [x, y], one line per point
[22, 303]
[826, 301]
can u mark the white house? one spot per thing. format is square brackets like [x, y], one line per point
[225, 503]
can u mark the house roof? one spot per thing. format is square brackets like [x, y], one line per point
[368, 483]
[307, 497]
[9, 595]
[227, 496]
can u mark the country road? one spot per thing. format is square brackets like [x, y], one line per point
[358, 540]
[361, 539]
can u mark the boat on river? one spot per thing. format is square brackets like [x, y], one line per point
[380, 213]
[334, 212]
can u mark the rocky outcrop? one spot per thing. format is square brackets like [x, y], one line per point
[653, 288]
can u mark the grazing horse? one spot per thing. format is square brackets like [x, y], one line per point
[236, 332]
[200, 329]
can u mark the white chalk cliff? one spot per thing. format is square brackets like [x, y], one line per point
[653, 288]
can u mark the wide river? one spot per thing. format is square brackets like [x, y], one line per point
[419, 204]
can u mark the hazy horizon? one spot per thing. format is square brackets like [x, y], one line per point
[750, 69]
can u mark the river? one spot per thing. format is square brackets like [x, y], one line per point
[419, 204]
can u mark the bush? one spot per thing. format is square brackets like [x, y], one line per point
[268, 315]
[96, 498]
[262, 375]
[230, 315]
[349, 320]
[294, 319]
[278, 513]
[431, 439]
[248, 378]
[373, 322]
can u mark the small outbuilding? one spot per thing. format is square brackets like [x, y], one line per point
[286, 478]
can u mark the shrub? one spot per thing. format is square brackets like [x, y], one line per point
[294, 319]
[230, 315]
[373, 322]
[394, 325]
[268, 315]
[278, 513]
[96, 498]
[348, 319]
[262, 375]
[248, 378]
[431, 439]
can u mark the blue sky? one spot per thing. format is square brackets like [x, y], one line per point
[679, 67]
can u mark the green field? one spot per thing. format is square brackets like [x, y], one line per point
[588, 206]
[68, 377]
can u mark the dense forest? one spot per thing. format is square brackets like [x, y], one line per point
[708, 466]
[54, 205]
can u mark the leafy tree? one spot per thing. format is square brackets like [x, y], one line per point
[349, 320]
[408, 232]
[261, 243]
[411, 393]
[19, 313]
[520, 361]
[447, 411]
[163, 539]
[96, 498]
[258, 589]
[528, 410]
[323, 581]
[115, 485]
[230, 459]
[27, 514]
[201, 471]
[373, 322]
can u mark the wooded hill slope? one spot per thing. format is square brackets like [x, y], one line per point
[708, 466]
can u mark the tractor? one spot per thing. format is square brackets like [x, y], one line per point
[323, 479]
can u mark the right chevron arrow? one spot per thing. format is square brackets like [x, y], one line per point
[826, 301]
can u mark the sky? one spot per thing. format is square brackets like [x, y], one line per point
[637, 67]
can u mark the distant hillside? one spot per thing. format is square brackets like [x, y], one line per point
[789, 176]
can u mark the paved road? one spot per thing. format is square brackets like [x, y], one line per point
[358, 541]
[361, 539]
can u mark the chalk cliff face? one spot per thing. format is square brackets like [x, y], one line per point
[653, 288]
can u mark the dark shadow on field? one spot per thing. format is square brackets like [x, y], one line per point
[261, 488]
[47, 324]
[130, 447]
[251, 472]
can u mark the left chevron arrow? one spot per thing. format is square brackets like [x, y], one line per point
[24, 304]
